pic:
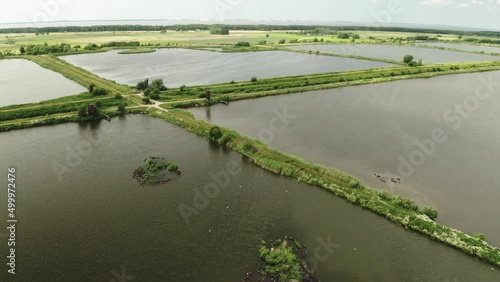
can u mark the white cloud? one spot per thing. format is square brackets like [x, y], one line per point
[463, 5]
[436, 2]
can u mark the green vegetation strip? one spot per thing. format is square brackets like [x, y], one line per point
[77, 74]
[344, 56]
[399, 210]
[137, 51]
[52, 119]
[176, 98]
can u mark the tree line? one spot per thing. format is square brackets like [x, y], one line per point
[319, 29]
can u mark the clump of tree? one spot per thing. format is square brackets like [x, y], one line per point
[409, 61]
[142, 85]
[422, 38]
[122, 108]
[84, 114]
[293, 41]
[343, 35]
[99, 92]
[219, 30]
[41, 49]
[121, 44]
[151, 90]
[91, 46]
[282, 41]
[215, 133]
[242, 44]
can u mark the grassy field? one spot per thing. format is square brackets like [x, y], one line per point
[189, 38]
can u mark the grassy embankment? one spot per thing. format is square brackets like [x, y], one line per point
[423, 45]
[65, 109]
[399, 210]
[78, 75]
[290, 85]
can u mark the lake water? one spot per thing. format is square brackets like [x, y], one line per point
[397, 53]
[381, 129]
[26, 82]
[96, 223]
[195, 67]
[467, 47]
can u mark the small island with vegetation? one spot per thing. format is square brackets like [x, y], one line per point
[283, 260]
[155, 171]
[137, 51]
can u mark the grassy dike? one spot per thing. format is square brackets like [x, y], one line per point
[343, 55]
[401, 211]
[295, 84]
[77, 74]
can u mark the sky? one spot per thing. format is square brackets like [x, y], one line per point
[468, 13]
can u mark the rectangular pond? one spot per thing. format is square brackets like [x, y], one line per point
[26, 82]
[194, 67]
[396, 130]
[396, 53]
[84, 218]
[466, 47]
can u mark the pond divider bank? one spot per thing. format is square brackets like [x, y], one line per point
[77, 74]
[291, 85]
[399, 210]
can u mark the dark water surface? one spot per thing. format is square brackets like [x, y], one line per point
[388, 129]
[96, 223]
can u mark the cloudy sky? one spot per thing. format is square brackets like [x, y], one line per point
[471, 13]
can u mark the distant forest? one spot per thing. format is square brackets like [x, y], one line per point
[312, 29]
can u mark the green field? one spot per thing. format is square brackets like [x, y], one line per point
[203, 38]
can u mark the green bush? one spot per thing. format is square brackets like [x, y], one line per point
[215, 133]
[431, 212]
[225, 139]
[254, 79]
[242, 44]
[356, 184]
[99, 92]
[146, 100]
[480, 236]
[121, 108]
